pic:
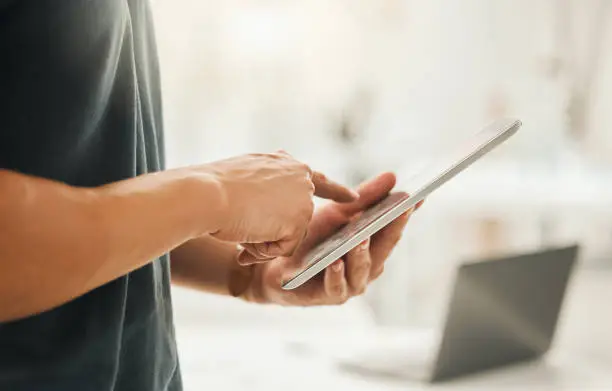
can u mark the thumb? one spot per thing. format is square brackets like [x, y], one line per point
[325, 223]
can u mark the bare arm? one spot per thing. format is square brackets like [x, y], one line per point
[209, 265]
[58, 242]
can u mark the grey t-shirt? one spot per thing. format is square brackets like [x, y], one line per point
[80, 103]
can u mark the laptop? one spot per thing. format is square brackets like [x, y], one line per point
[502, 311]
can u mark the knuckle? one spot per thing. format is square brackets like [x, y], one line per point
[338, 291]
[310, 186]
[306, 168]
[283, 154]
[363, 268]
[366, 264]
[361, 290]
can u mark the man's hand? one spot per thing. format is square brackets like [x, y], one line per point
[268, 202]
[345, 278]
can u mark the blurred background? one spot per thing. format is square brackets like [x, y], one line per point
[356, 87]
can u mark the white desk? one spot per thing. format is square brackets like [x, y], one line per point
[260, 361]
[288, 358]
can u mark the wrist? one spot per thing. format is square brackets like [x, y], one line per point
[204, 198]
[187, 202]
[211, 201]
[244, 283]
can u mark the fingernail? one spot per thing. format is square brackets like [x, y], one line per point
[338, 266]
[364, 245]
[355, 194]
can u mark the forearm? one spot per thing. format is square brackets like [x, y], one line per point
[209, 265]
[58, 242]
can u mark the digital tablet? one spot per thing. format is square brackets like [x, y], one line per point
[396, 203]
